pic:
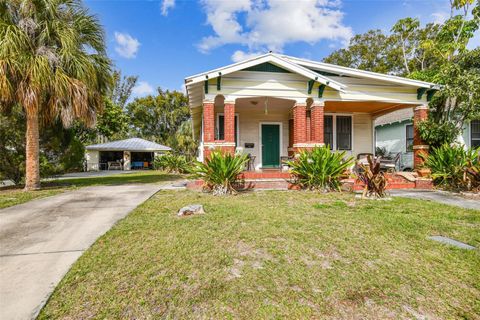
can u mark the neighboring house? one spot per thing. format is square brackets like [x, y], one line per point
[274, 105]
[394, 134]
[134, 153]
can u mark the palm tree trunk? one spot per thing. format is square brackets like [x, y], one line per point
[32, 176]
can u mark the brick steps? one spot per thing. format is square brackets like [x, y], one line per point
[280, 180]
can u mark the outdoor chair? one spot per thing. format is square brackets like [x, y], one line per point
[390, 165]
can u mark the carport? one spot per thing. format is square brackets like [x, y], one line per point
[128, 154]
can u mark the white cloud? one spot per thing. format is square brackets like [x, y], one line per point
[240, 55]
[440, 17]
[166, 5]
[127, 46]
[142, 88]
[270, 24]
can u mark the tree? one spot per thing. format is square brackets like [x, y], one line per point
[158, 117]
[53, 63]
[457, 102]
[122, 88]
[182, 142]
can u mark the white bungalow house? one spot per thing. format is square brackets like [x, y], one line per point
[273, 105]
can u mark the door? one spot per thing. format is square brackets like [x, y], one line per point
[270, 145]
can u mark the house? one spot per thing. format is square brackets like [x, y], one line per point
[274, 105]
[133, 153]
[394, 134]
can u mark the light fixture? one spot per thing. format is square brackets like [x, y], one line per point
[266, 106]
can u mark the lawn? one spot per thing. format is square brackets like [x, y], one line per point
[276, 254]
[12, 196]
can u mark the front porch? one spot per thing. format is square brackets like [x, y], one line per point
[273, 129]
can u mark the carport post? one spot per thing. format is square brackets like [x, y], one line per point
[126, 160]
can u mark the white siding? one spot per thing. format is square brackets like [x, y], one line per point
[93, 159]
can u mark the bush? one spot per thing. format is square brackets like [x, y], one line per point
[373, 178]
[450, 166]
[319, 169]
[172, 163]
[220, 171]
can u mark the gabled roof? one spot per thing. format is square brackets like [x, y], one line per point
[132, 144]
[267, 58]
[317, 71]
[327, 67]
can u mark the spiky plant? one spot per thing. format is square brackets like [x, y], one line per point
[373, 178]
[53, 63]
[220, 171]
[449, 165]
[173, 163]
[472, 174]
[319, 169]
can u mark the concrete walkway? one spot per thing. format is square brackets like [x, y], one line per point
[41, 239]
[438, 196]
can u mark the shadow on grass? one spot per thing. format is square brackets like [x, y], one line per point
[150, 177]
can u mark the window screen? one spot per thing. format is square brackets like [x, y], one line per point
[344, 133]
[409, 137]
[475, 133]
[328, 131]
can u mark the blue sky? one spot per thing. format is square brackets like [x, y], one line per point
[165, 41]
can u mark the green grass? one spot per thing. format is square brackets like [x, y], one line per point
[276, 254]
[13, 196]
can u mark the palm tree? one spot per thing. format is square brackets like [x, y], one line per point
[53, 63]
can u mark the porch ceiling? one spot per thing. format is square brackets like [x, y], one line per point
[376, 109]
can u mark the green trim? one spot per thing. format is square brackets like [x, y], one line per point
[219, 83]
[321, 88]
[310, 86]
[430, 94]
[420, 93]
[327, 74]
[205, 86]
[267, 67]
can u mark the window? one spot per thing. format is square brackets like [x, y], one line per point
[337, 132]
[221, 128]
[475, 133]
[344, 133]
[409, 137]
[328, 131]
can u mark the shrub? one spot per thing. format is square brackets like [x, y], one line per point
[450, 166]
[472, 175]
[220, 171]
[319, 169]
[172, 163]
[373, 178]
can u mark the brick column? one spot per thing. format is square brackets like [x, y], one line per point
[229, 116]
[420, 114]
[299, 125]
[317, 123]
[208, 127]
[208, 122]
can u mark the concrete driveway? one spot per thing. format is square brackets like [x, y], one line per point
[41, 239]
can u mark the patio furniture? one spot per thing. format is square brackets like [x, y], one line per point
[114, 165]
[251, 162]
[390, 165]
[137, 165]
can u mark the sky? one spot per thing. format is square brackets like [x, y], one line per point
[164, 41]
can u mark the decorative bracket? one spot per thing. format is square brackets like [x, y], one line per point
[219, 82]
[205, 86]
[430, 94]
[310, 86]
[321, 88]
[420, 93]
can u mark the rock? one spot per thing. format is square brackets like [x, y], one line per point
[191, 210]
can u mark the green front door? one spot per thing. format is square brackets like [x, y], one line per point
[270, 145]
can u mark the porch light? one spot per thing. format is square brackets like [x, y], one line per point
[266, 106]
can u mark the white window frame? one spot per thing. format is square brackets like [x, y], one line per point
[471, 134]
[334, 129]
[405, 145]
